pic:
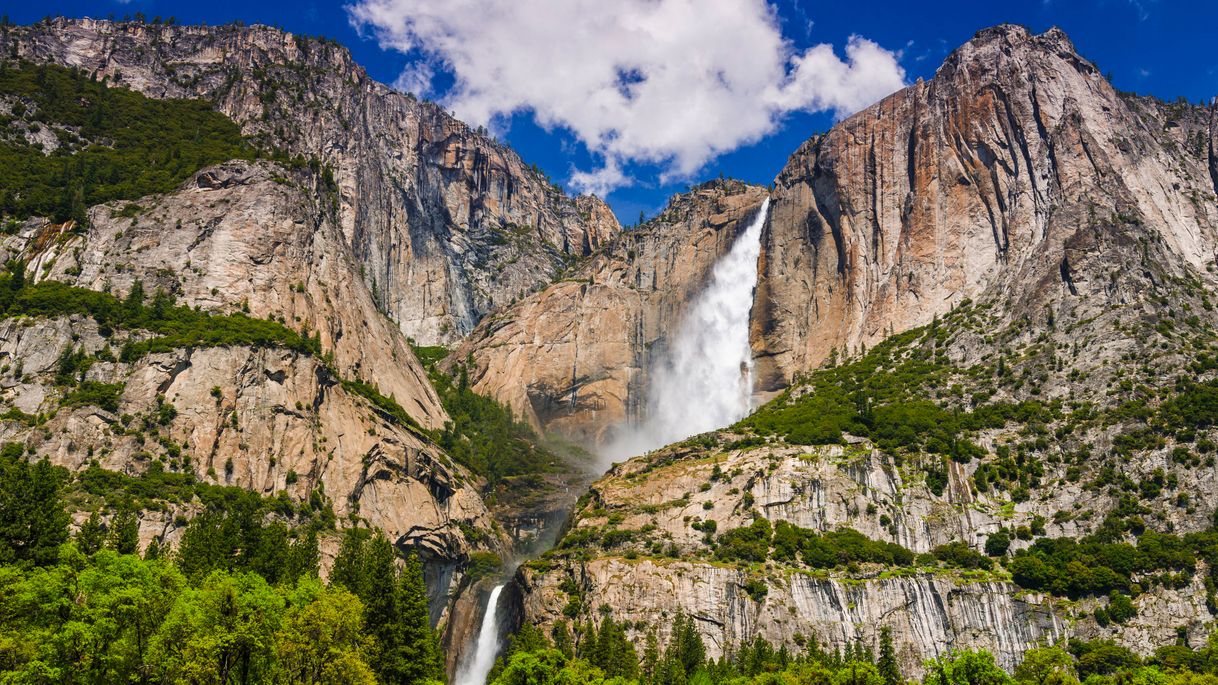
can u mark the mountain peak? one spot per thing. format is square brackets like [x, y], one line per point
[995, 46]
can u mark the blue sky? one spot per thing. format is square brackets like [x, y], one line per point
[617, 141]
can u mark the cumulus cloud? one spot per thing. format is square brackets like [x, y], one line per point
[667, 82]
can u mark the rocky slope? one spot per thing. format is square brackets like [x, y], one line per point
[445, 222]
[993, 176]
[1053, 243]
[258, 239]
[573, 358]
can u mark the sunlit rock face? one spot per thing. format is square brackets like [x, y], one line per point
[575, 357]
[445, 222]
[1000, 174]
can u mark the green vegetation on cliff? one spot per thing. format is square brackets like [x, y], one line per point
[71, 141]
[888, 395]
[486, 437]
[175, 326]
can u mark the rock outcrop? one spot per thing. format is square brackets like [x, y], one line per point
[648, 555]
[928, 614]
[261, 240]
[574, 357]
[445, 222]
[982, 179]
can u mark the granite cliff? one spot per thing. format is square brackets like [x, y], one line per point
[573, 358]
[998, 175]
[445, 222]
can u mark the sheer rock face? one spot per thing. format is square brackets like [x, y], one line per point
[250, 237]
[928, 614]
[574, 357]
[445, 222]
[987, 178]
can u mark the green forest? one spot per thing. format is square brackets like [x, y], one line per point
[237, 601]
[110, 142]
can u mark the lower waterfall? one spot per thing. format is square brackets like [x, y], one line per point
[704, 380]
[479, 664]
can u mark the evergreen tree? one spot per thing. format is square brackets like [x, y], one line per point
[420, 644]
[563, 641]
[651, 658]
[134, 303]
[405, 647]
[124, 535]
[890, 670]
[91, 535]
[350, 565]
[33, 523]
[690, 650]
[614, 654]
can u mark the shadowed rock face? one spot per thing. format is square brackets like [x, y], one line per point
[445, 222]
[574, 357]
[981, 179]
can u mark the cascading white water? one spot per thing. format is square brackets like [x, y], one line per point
[476, 668]
[705, 381]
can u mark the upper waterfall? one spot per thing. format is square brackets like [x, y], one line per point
[704, 380]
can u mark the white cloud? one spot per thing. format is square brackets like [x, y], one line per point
[415, 78]
[668, 82]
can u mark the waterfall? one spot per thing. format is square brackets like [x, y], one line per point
[705, 379]
[476, 668]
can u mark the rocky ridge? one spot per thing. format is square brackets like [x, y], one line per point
[997, 175]
[446, 223]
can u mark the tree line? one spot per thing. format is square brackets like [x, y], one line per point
[603, 655]
[239, 600]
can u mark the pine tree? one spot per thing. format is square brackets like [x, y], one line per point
[91, 535]
[382, 608]
[651, 659]
[685, 649]
[420, 644]
[563, 641]
[124, 535]
[406, 648]
[614, 654]
[33, 522]
[890, 670]
[350, 565]
[134, 303]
